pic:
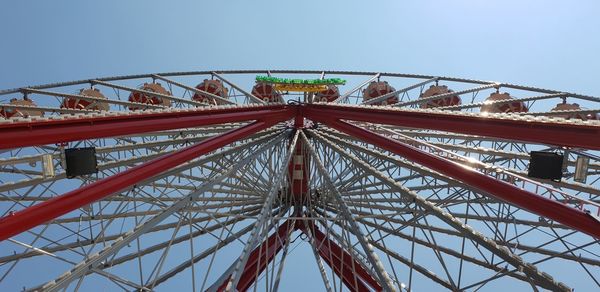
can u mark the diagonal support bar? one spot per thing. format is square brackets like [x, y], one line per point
[347, 94]
[522, 129]
[259, 230]
[548, 208]
[246, 93]
[49, 131]
[83, 267]
[193, 89]
[149, 93]
[262, 255]
[541, 279]
[43, 212]
[334, 255]
[443, 95]
[322, 270]
[398, 92]
[371, 255]
[340, 261]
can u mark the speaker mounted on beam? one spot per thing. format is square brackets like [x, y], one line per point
[545, 165]
[81, 161]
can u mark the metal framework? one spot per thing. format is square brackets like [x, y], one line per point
[223, 196]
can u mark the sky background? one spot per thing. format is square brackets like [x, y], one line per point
[550, 44]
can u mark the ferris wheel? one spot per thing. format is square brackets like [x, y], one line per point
[372, 181]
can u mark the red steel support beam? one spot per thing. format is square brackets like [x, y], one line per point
[339, 260]
[48, 210]
[342, 263]
[570, 135]
[298, 176]
[342, 269]
[501, 190]
[261, 256]
[34, 133]
[298, 168]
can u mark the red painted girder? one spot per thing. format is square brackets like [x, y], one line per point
[21, 134]
[48, 210]
[261, 256]
[571, 135]
[335, 256]
[298, 185]
[343, 270]
[504, 191]
[341, 261]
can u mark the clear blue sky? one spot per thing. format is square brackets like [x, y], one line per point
[552, 44]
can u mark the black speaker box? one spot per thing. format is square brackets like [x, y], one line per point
[545, 165]
[81, 161]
